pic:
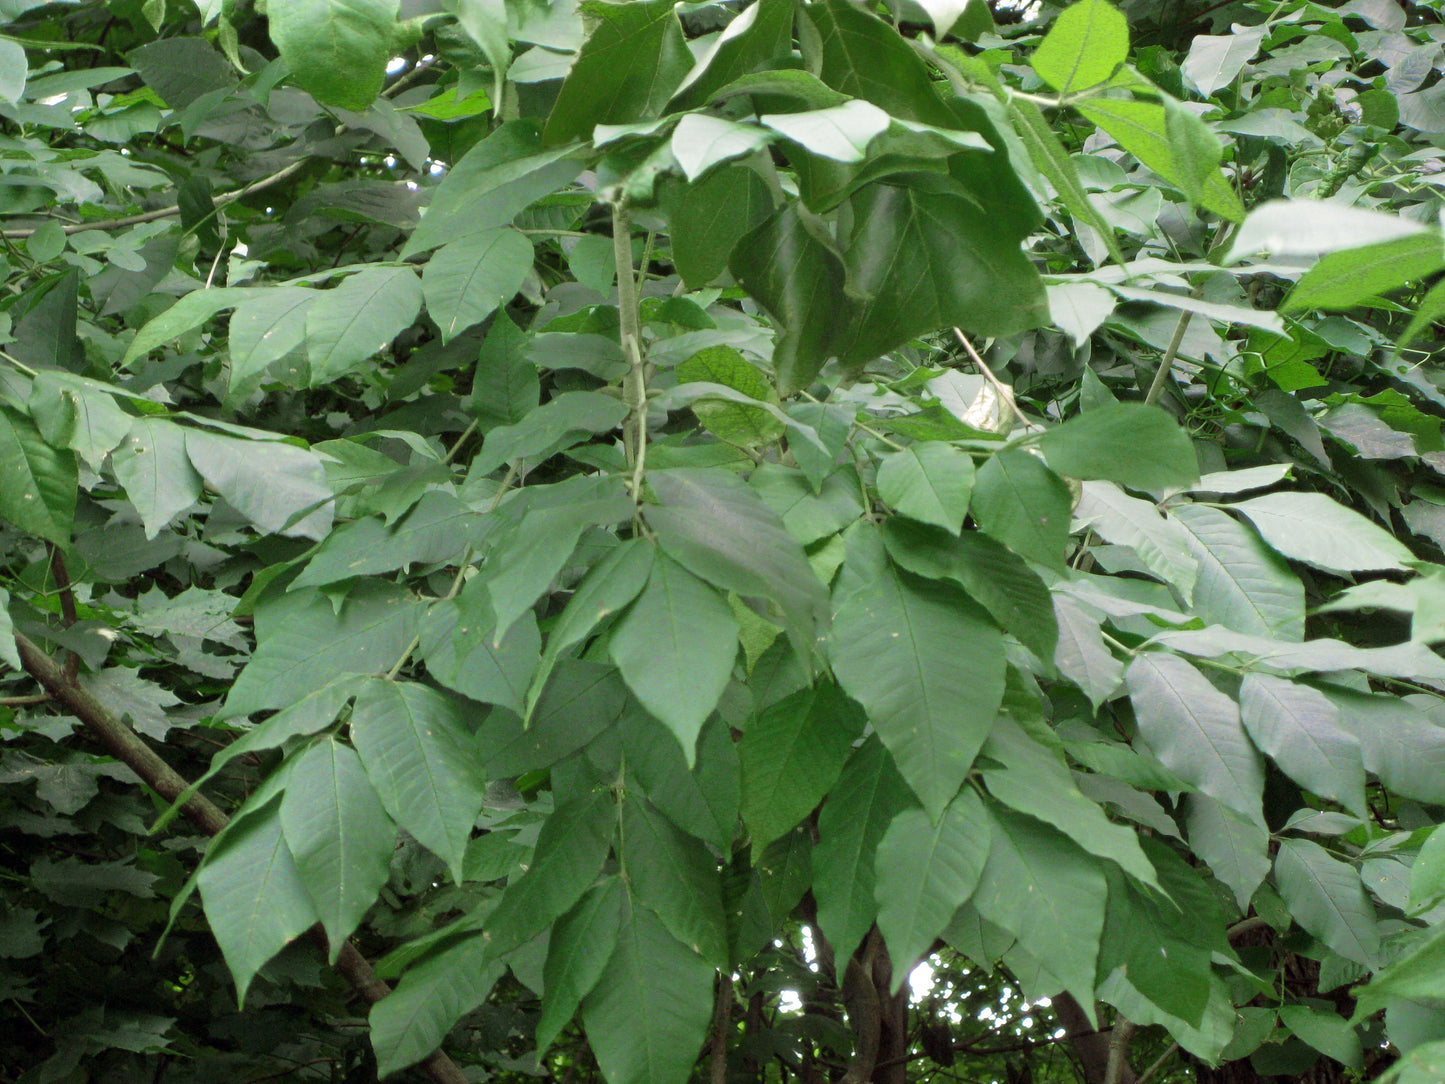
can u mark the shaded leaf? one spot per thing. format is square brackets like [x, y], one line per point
[926, 869]
[255, 899]
[1129, 443]
[419, 756]
[1195, 731]
[928, 482]
[1299, 729]
[1046, 892]
[893, 649]
[1326, 898]
[339, 836]
[627, 69]
[466, 281]
[791, 755]
[867, 797]
[40, 487]
[1024, 505]
[646, 1017]
[675, 647]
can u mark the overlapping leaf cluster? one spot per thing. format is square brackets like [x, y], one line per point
[636, 486]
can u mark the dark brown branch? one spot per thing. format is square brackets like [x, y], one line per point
[860, 997]
[68, 615]
[721, 1020]
[126, 745]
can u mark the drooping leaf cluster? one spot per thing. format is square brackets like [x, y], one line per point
[655, 520]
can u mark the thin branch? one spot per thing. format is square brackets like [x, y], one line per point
[1166, 363]
[1002, 390]
[174, 209]
[126, 745]
[24, 701]
[1119, 1050]
[1158, 1064]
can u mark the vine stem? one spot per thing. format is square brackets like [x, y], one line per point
[634, 384]
[1166, 363]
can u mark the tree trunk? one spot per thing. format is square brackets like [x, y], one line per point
[892, 1067]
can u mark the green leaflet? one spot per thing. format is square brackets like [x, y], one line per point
[1024, 505]
[1129, 443]
[1235, 848]
[868, 796]
[1299, 729]
[1312, 528]
[1087, 42]
[1342, 279]
[581, 944]
[647, 1014]
[40, 492]
[569, 854]
[464, 282]
[703, 798]
[714, 525]
[339, 836]
[893, 649]
[349, 324]
[1195, 731]
[627, 69]
[415, 744]
[1157, 945]
[1326, 897]
[305, 641]
[675, 647]
[254, 896]
[675, 876]
[928, 482]
[1036, 781]
[278, 487]
[994, 577]
[1048, 893]
[607, 589]
[1240, 583]
[791, 755]
[336, 49]
[926, 869]
[411, 1021]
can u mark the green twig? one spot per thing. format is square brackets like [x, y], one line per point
[634, 384]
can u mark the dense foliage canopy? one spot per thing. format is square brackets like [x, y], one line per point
[637, 523]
